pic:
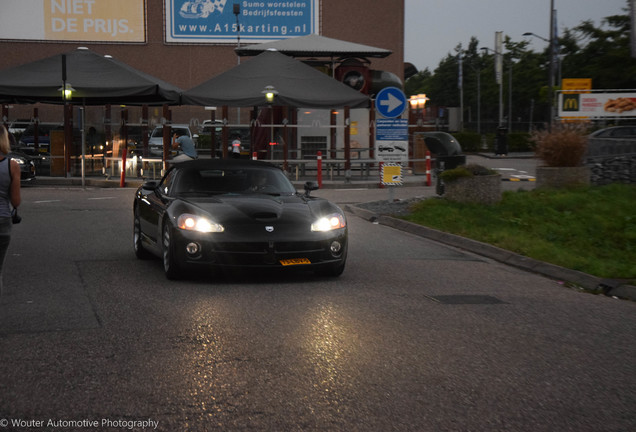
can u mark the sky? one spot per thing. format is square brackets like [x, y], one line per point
[433, 28]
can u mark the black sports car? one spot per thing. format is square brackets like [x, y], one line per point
[224, 213]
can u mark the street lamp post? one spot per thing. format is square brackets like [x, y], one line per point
[270, 94]
[418, 102]
[486, 49]
[552, 44]
[236, 9]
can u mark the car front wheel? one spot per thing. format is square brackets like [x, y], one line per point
[170, 265]
[138, 245]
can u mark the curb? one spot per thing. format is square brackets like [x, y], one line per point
[594, 284]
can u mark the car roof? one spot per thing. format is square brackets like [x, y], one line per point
[175, 125]
[224, 164]
[611, 129]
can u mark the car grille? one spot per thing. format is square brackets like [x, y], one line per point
[267, 253]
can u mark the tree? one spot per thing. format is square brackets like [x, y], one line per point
[605, 56]
[587, 51]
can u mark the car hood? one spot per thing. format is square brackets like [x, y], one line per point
[261, 207]
[249, 213]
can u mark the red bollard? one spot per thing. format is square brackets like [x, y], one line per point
[428, 168]
[122, 179]
[254, 156]
[319, 169]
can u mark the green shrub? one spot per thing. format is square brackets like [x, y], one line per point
[519, 142]
[465, 171]
[470, 142]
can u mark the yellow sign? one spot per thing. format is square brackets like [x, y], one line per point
[392, 174]
[576, 85]
[94, 20]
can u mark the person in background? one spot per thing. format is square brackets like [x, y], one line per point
[183, 142]
[9, 194]
[235, 148]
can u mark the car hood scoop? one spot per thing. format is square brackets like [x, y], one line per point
[265, 216]
[261, 208]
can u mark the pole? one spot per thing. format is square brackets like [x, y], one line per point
[68, 128]
[319, 168]
[428, 168]
[82, 119]
[551, 77]
[347, 144]
[510, 96]
[479, 99]
[224, 131]
[124, 152]
[461, 92]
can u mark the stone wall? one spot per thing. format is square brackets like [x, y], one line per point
[475, 189]
[611, 160]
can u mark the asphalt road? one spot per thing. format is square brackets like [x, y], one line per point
[414, 336]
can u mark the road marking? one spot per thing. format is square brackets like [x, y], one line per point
[46, 201]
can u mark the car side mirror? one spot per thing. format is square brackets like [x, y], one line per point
[150, 184]
[310, 186]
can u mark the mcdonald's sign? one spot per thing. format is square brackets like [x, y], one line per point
[597, 104]
[570, 102]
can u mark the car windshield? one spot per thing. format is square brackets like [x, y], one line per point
[243, 180]
[43, 129]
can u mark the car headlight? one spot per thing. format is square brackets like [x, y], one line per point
[329, 222]
[19, 161]
[192, 222]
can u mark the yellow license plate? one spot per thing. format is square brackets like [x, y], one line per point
[295, 261]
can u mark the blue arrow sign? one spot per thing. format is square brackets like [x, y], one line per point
[390, 102]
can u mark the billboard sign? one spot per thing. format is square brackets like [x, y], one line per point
[597, 105]
[215, 21]
[115, 21]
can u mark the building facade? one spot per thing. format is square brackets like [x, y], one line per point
[185, 42]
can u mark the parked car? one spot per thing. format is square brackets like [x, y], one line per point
[615, 132]
[233, 213]
[155, 142]
[18, 127]
[27, 167]
[27, 140]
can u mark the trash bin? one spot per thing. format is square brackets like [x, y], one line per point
[501, 141]
[444, 148]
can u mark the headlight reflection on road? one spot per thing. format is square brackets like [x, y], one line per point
[205, 364]
[329, 348]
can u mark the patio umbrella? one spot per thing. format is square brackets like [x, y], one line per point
[95, 79]
[315, 46]
[294, 83]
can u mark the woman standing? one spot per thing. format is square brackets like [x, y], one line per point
[9, 194]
